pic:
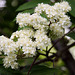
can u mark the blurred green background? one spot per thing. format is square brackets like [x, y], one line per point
[7, 15]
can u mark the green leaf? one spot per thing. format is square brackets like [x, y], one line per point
[31, 4]
[72, 18]
[25, 61]
[44, 15]
[46, 71]
[72, 35]
[29, 11]
[42, 70]
[72, 3]
[14, 20]
[24, 27]
[15, 39]
[8, 71]
[72, 26]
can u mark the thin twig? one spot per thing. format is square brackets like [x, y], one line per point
[60, 39]
[45, 59]
[40, 61]
[41, 53]
[32, 64]
[58, 54]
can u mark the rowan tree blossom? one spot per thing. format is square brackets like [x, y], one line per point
[42, 40]
[57, 16]
[33, 20]
[38, 35]
[8, 47]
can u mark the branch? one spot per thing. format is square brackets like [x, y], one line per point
[59, 53]
[45, 60]
[40, 61]
[63, 52]
[60, 39]
[41, 53]
[32, 64]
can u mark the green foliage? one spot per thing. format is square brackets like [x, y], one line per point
[1, 62]
[8, 71]
[72, 3]
[72, 35]
[31, 4]
[42, 70]
[15, 39]
[45, 71]
[29, 11]
[21, 28]
[44, 15]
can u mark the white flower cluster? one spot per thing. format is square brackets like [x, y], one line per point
[8, 47]
[42, 39]
[57, 16]
[22, 34]
[27, 40]
[34, 20]
[55, 10]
